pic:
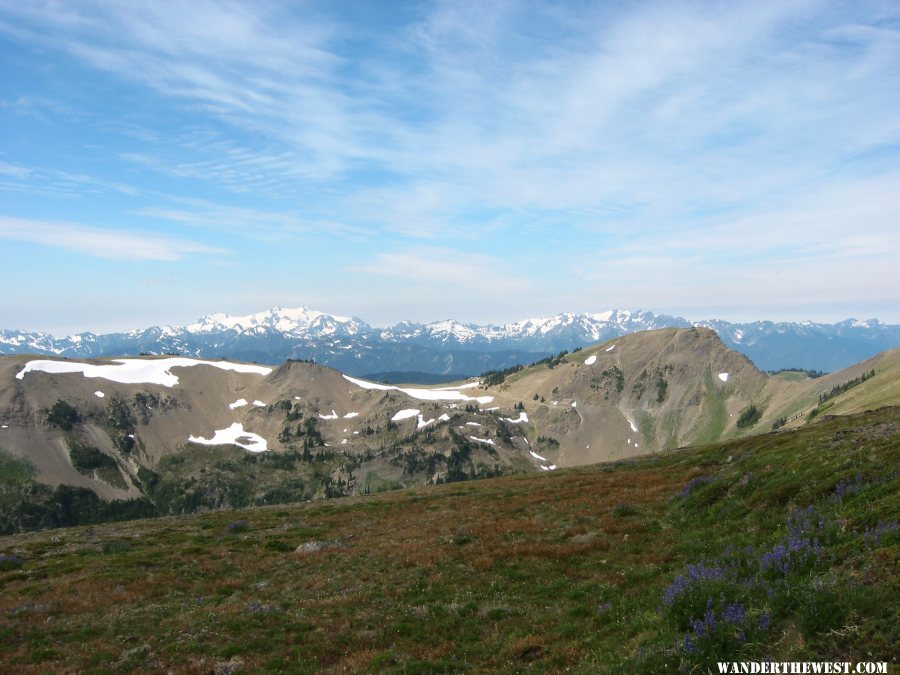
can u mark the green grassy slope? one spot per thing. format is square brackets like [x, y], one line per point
[789, 540]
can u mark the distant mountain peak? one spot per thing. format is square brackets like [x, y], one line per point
[291, 320]
[450, 345]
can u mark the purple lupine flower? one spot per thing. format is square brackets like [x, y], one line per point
[694, 483]
[874, 535]
[734, 613]
[696, 575]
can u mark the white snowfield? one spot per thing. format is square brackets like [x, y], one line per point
[237, 404]
[723, 377]
[523, 417]
[259, 404]
[591, 360]
[421, 422]
[537, 456]
[486, 441]
[332, 416]
[137, 371]
[234, 435]
[351, 415]
[467, 385]
[632, 425]
[423, 394]
[99, 394]
[610, 348]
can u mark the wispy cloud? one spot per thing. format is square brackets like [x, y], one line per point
[447, 269]
[101, 243]
[509, 106]
[14, 171]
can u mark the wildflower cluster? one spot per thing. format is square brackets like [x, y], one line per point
[801, 549]
[693, 484]
[876, 536]
[9, 562]
[722, 607]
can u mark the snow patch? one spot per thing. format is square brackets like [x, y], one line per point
[632, 425]
[591, 360]
[351, 415]
[260, 404]
[467, 385]
[136, 371]
[610, 348]
[723, 377]
[234, 435]
[473, 424]
[332, 416]
[537, 456]
[486, 441]
[453, 394]
[237, 404]
[405, 414]
[521, 418]
[99, 394]
[574, 404]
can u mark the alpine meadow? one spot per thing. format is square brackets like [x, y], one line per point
[450, 337]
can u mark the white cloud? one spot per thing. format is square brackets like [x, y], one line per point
[101, 243]
[14, 171]
[639, 143]
[447, 269]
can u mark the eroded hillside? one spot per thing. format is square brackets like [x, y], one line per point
[175, 435]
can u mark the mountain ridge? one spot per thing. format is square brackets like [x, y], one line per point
[147, 423]
[449, 346]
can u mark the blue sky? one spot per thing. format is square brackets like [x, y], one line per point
[485, 161]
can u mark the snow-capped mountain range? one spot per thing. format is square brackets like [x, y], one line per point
[452, 347]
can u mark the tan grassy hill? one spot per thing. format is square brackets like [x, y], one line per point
[329, 435]
[647, 392]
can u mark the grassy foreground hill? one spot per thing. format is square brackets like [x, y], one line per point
[781, 546]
